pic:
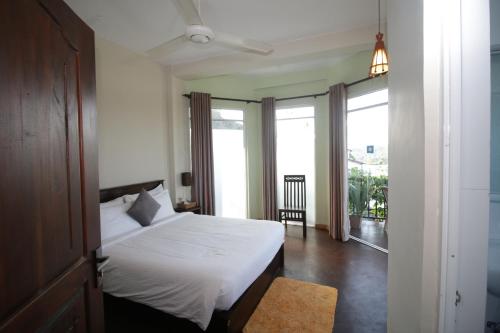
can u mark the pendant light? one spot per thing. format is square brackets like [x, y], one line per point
[379, 64]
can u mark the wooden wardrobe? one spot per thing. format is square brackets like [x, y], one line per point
[49, 215]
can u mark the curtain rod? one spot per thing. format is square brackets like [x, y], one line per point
[360, 81]
[188, 96]
[248, 101]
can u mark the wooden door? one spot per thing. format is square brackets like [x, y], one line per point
[49, 218]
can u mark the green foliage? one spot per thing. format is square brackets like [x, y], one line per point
[358, 192]
[364, 188]
[376, 194]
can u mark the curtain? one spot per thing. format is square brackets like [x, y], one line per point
[269, 158]
[202, 189]
[339, 215]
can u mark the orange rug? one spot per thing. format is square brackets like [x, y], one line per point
[294, 306]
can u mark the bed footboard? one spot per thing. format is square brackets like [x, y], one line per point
[233, 320]
[123, 315]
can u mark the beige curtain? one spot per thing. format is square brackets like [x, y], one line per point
[339, 215]
[269, 158]
[202, 189]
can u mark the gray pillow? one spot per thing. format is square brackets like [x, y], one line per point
[144, 209]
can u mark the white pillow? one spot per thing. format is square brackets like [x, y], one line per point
[166, 208]
[132, 197]
[115, 221]
[157, 190]
[112, 203]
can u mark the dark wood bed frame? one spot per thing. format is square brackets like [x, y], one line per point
[123, 315]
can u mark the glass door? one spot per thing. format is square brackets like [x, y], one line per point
[229, 163]
[295, 147]
[367, 149]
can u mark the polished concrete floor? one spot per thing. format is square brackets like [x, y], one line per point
[372, 232]
[359, 272]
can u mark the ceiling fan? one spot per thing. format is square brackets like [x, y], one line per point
[198, 32]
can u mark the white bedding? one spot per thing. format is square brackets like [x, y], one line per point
[188, 265]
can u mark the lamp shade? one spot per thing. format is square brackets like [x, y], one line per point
[186, 178]
[380, 63]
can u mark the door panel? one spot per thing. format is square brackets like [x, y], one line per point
[71, 316]
[49, 223]
[56, 148]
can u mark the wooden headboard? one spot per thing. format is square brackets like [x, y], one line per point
[116, 192]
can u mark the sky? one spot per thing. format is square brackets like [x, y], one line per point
[368, 126]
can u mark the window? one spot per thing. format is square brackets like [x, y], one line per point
[229, 163]
[296, 152]
[367, 130]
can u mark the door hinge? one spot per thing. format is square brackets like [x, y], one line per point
[458, 298]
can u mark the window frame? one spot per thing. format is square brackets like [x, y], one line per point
[245, 147]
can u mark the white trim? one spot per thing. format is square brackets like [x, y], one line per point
[306, 102]
[225, 106]
[465, 169]
[475, 165]
[451, 164]
[362, 241]
[247, 174]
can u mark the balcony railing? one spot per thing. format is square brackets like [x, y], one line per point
[368, 190]
[376, 210]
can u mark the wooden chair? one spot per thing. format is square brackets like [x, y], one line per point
[294, 201]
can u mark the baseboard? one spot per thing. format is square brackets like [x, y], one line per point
[321, 227]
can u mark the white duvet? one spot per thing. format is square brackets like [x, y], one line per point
[188, 265]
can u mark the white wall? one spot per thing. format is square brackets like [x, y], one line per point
[406, 165]
[132, 118]
[178, 138]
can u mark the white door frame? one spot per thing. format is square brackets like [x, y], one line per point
[466, 135]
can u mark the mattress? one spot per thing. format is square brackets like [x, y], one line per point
[189, 265]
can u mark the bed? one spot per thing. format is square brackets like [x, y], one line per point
[188, 273]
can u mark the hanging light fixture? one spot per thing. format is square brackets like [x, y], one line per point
[379, 64]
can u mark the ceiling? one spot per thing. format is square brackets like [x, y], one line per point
[142, 25]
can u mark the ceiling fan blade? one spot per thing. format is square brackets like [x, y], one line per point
[245, 44]
[188, 11]
[163, 50]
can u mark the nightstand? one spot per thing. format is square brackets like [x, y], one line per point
[196, 209]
